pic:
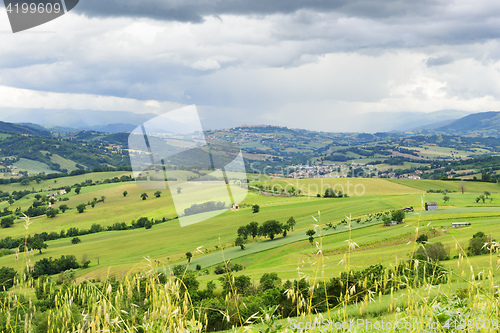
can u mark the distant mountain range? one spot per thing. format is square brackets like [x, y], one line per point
[72, 121]
[20, 128]
[484, 123]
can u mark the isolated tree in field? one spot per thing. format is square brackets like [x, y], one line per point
[462, 187]
[291, 223]
[76, 240]
[39, 245]
[78, 190]
[477, 244]
[179, 190]
[7, 222]
[433, 252]
[67, 189]
[125, 193]
[240, 241]
[422, 239]
[144, 196]
[189, 255]
[103, 198]
[51, 213]
[63, 208]
[157, 194]
[256, 208]
[38, 197]
[311, 234]
[243, 232]
[81, 208]
[253, 229]
[446, 199]
[271, 228]
[398, 216]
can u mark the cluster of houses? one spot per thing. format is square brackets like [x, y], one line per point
[55, 194]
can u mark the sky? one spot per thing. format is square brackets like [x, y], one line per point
[315, 64]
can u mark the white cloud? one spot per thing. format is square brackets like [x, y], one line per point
[30, 99]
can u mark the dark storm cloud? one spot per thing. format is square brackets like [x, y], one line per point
[439, 61]
[195, 10]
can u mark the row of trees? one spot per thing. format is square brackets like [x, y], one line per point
[12, 243]
[270, 229]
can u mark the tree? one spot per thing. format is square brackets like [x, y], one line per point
[39, 245]
[253, 229]
[67, 189]
[81, 208]
[485, 177]
[103, 198]
[330, 193]
[270, 228]
[243, 232]
[256, 208]
[311, 234]
[446, 198]
[269, 281]
[284, 229]
[240, 242]
[51, 213]
[85, 261]
[11, 200]
[422, 239]
[144, 196]
[157, 194]
[432, 251]
[38, 197]
[462, 187]
[63, 208]
[125, 193]
[78, 190]
[291, 222]
[148, 224]
[95, 228]
[189, 255]
[76, 240]
[398, 216]
[482, 197]
[478, 244]
[7, 276]
[179, 190]
[7, 222]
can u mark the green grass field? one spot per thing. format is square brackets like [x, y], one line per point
[120, 251]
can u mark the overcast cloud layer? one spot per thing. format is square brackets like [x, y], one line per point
[308, 64]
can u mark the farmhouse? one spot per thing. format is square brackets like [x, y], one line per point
[459, 224]
[394, 223]
[431, 206]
